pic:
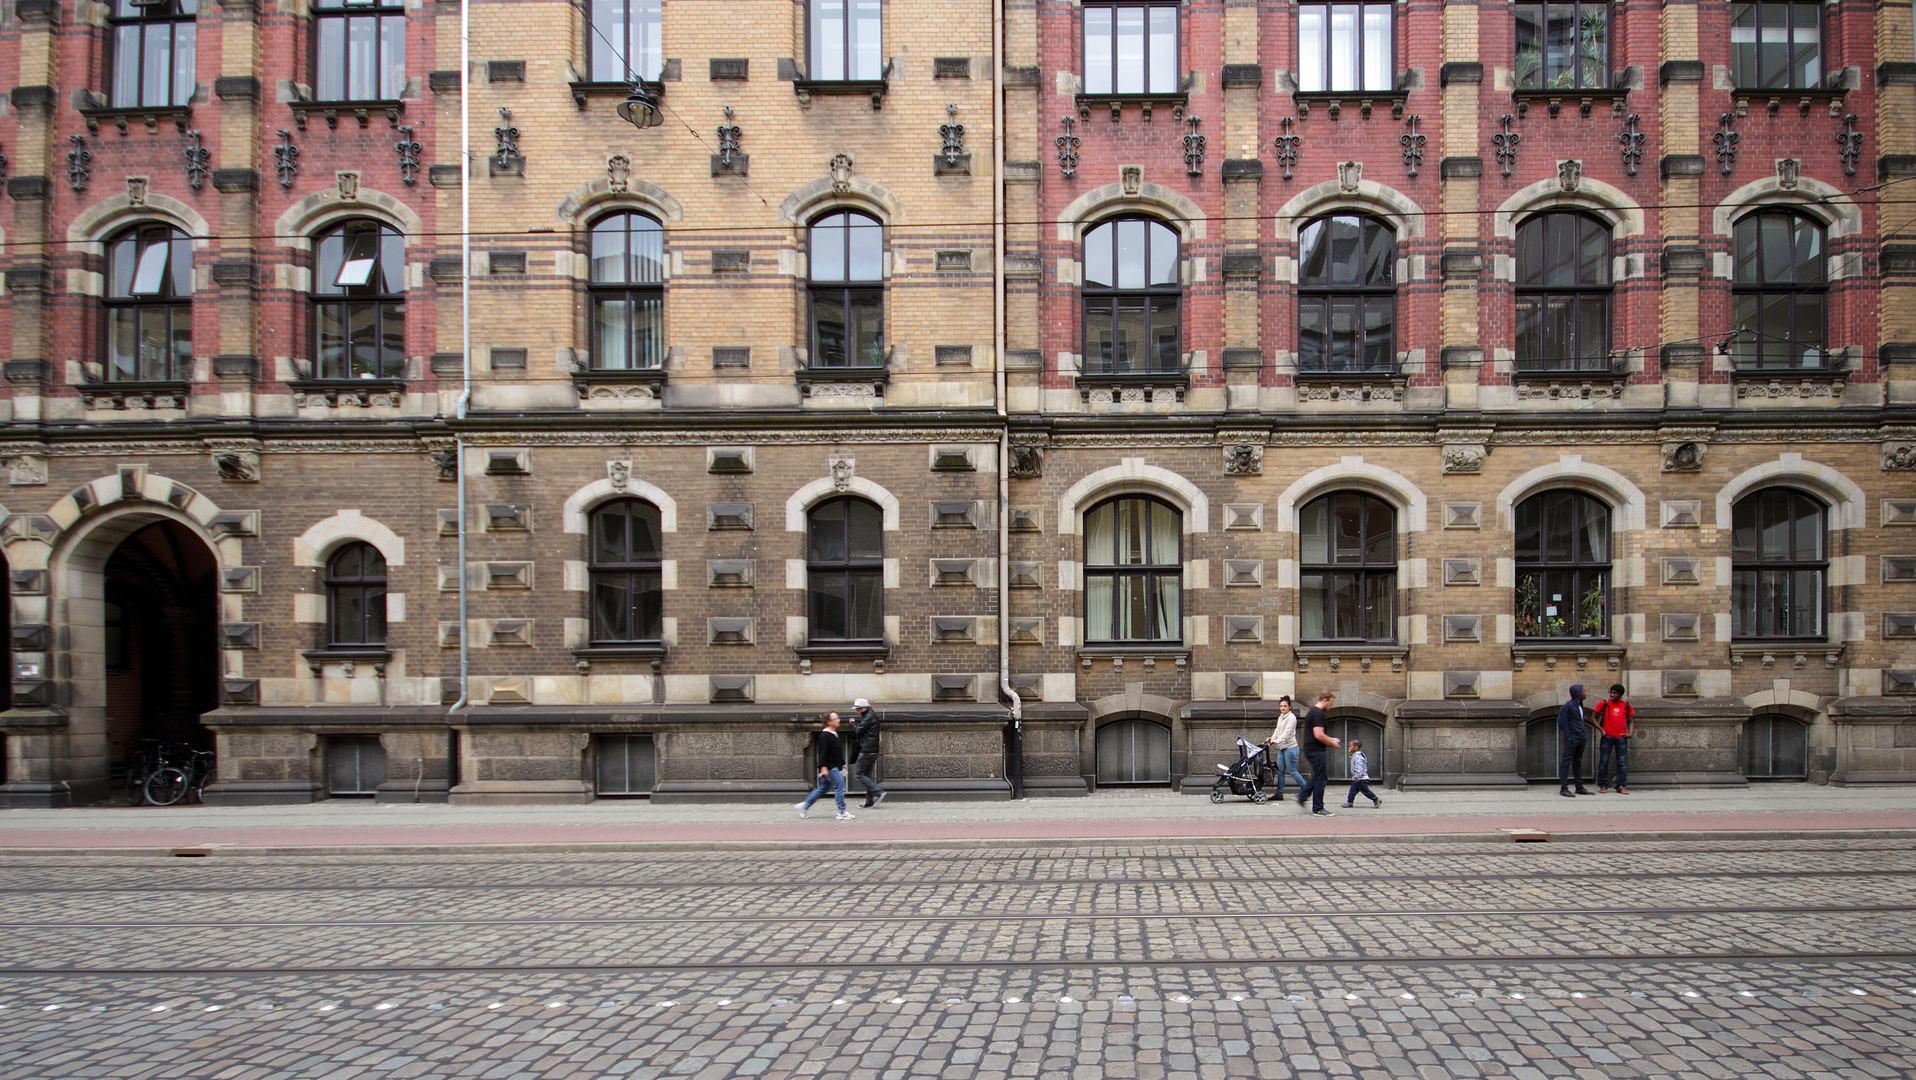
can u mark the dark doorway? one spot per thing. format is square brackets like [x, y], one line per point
[625, 764]
[1368, 732]
[1133, 752]
[1776, 748]
[161, 644]
[1542, 747]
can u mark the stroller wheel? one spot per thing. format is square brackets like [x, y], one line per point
[1217, 792]
[1260, 798]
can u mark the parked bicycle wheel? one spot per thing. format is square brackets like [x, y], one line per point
[168, 786]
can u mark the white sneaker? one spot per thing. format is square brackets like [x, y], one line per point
[844, 817]
[802, 809]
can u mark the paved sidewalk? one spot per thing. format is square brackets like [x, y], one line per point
[357, 825]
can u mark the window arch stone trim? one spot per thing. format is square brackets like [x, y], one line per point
[90, 229]
[801, 501]
[321, 210]
[1353, 473]
[1844, 497]
[821, 195]
[1804, 708]
[1152, 200]
[591, 200]
[1399, 210]
[1626, 500]
[577, 512]
[315, 546]
[1838, 214]
[1623, 214]
[1133, 476]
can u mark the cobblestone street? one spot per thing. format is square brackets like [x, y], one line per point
[1705, 958]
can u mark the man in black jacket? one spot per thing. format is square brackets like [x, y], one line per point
[1570, 736]
[865, 746]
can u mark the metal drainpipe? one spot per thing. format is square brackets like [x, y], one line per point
[998, 354]
[465, 373]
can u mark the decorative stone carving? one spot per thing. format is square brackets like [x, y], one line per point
[1579, 392]
[1340, 392]
[1788, 171]
[1792, 388]
[1027, 462]
[27, 470]
[620, 392]
[618, 171]
[1683, 457]
[1462, 458]
[618, 474]
[348, 182]
[1244, 459]
[841, 169]
[136, 191]
[841, 469]
[446, 463]
[1899, 457]
[1350, 174]
[1569, 174]
[238, 466]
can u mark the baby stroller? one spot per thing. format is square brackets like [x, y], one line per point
[1246, 777]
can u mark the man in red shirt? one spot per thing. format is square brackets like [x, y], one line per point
[1617, 720]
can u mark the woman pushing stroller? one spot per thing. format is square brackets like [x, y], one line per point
[1283, 744]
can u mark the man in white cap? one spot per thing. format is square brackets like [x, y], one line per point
[865, 744]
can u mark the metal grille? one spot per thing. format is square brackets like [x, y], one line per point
[1346, 728]
[1541, 746]
[1776, 748]
[355, 765]
[1134, 752]
[626, 764]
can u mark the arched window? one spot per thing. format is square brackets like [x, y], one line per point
[845, 572]
[1563, 46]
[1563, 293]
[846, 42]
[154, 44]
[1131, 296]
[1347, 569]
[628, 293]
[1779, 563]
[359, 50]
[1346, 295]
[625, 40]
[1345, 46]
[627, 586]
[1563, 566]
[848, 293]
[1780, 291]
[1776, 46]
[356, 595]
[1133, 571]
[359, 302]
[149, 305]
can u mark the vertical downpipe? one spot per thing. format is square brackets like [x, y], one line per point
[1016, 764]
[465, 371]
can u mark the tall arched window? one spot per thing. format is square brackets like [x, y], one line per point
[625, 40]
[359, 50]
[154, 49]
[628, 293]
[1347, 568]
[1563, 293]
[846, 40]
[359, 302]
[627, 583]
[1133, 571]
[1563, 46]
[1346, 295]
[845, 572]
[356, 595]
[1780, 291]
[848, 291]
[149, 305]
[1779, 564]
[1131, 296]
[1563, 566]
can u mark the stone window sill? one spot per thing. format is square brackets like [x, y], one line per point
[1334, 102]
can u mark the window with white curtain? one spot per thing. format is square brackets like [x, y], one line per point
[1131, 48]
[1133, 566]
[1344, 47]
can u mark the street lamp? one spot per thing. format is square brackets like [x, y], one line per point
[639, 109]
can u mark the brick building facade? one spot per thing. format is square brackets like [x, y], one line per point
[1439, 354]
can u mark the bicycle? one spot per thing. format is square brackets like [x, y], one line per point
[172, 783]
[144, 759]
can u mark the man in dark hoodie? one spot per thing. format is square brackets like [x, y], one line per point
[865, 746]
[1570, 735]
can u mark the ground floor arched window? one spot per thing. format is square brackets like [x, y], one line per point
[1133, 752]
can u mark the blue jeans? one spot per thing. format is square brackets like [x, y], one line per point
[1285, 762]
[830, 779]
[1320, 776]
[1621, 747]
[1359, 787]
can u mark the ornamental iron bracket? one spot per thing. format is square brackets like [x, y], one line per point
[1193, 147]
[3, 166]
[286, 156]
[196, 158]
[508, 137]
[1413, 144]
[953, 133]
[1506, 141]
[728, 136]
[409, 149]
[79, 163]
[1849, 143]
[1286, 145]
[1726, 141]
[1068, 148]
[1632, 141]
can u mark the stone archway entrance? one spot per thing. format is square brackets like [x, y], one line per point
[159, 640]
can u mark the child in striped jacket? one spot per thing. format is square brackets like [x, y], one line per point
[1360, 777]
